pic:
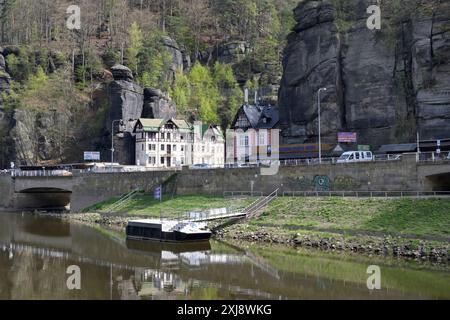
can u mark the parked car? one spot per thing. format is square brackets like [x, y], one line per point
[356, 156]
[200, 166]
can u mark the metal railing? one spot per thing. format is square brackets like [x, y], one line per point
[119, 203]
[261, 203]
[234, 194]
[41, 173]
[433, 157]
[366, 194]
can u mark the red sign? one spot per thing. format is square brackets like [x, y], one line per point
[347, 137]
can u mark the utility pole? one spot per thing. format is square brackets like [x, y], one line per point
[112, 141]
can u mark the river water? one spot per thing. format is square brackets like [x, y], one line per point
[36, 252]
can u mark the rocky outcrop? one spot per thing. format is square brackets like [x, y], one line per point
[126, 98]
[385, 93]
[232, 52]
[36, 138]
[180, 60]
[158, 105]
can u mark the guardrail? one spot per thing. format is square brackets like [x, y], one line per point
[41, 173]
[366, 194]
[433, 157]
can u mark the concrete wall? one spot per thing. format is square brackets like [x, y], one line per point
[94, 188]
[6, 191]
[90, 189]
[376, 176]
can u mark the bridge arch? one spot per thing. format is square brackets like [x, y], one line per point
[436, 177]
[43, 199]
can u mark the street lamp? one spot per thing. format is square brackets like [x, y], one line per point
[112, 140]
[320, 128]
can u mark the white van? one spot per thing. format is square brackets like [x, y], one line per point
[356, 156]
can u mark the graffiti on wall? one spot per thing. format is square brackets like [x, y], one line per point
[345, 183]
[323, 183]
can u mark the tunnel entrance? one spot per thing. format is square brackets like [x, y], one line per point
[440, 182]
[44, 199]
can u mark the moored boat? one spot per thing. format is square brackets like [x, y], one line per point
[167, 231]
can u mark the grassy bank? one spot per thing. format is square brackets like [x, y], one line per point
[413, 228]
[417, 217]
[170, 207]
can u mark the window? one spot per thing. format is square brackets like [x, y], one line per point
[182, 148]
[182, 138]
[168, 136]
[244, 141]
[163, 147]
[262, 139]
[175, 148]
[163, 136]
[162, 160]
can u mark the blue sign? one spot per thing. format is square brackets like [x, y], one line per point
[158, 193]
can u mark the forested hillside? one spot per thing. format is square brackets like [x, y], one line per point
[199, 53]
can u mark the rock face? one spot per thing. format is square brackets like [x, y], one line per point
[126, 98]
[35, 138]
[158, 105]
[130, 102]
[384, 93]
[180, 60]
[232, 52]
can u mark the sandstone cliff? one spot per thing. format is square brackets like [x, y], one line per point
[386, 85]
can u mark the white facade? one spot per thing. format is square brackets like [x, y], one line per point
[209, 146]
[173, 143]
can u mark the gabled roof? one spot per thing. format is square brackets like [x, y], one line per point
[257, 114]
[155, 125]
[205, 128]
[182, 124]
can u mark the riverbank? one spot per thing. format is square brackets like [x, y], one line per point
[416, 229]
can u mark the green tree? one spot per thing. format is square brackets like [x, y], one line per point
[181, 93]
[205, 97]
[135, 46]
[232, 96]
[154, 63]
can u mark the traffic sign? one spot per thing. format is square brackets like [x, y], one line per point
[158, 193]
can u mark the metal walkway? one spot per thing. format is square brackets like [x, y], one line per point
[249, 212]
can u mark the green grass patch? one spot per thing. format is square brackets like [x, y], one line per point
[146, 205]
[420, 217]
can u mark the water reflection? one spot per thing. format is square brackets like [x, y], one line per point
[34, 260]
